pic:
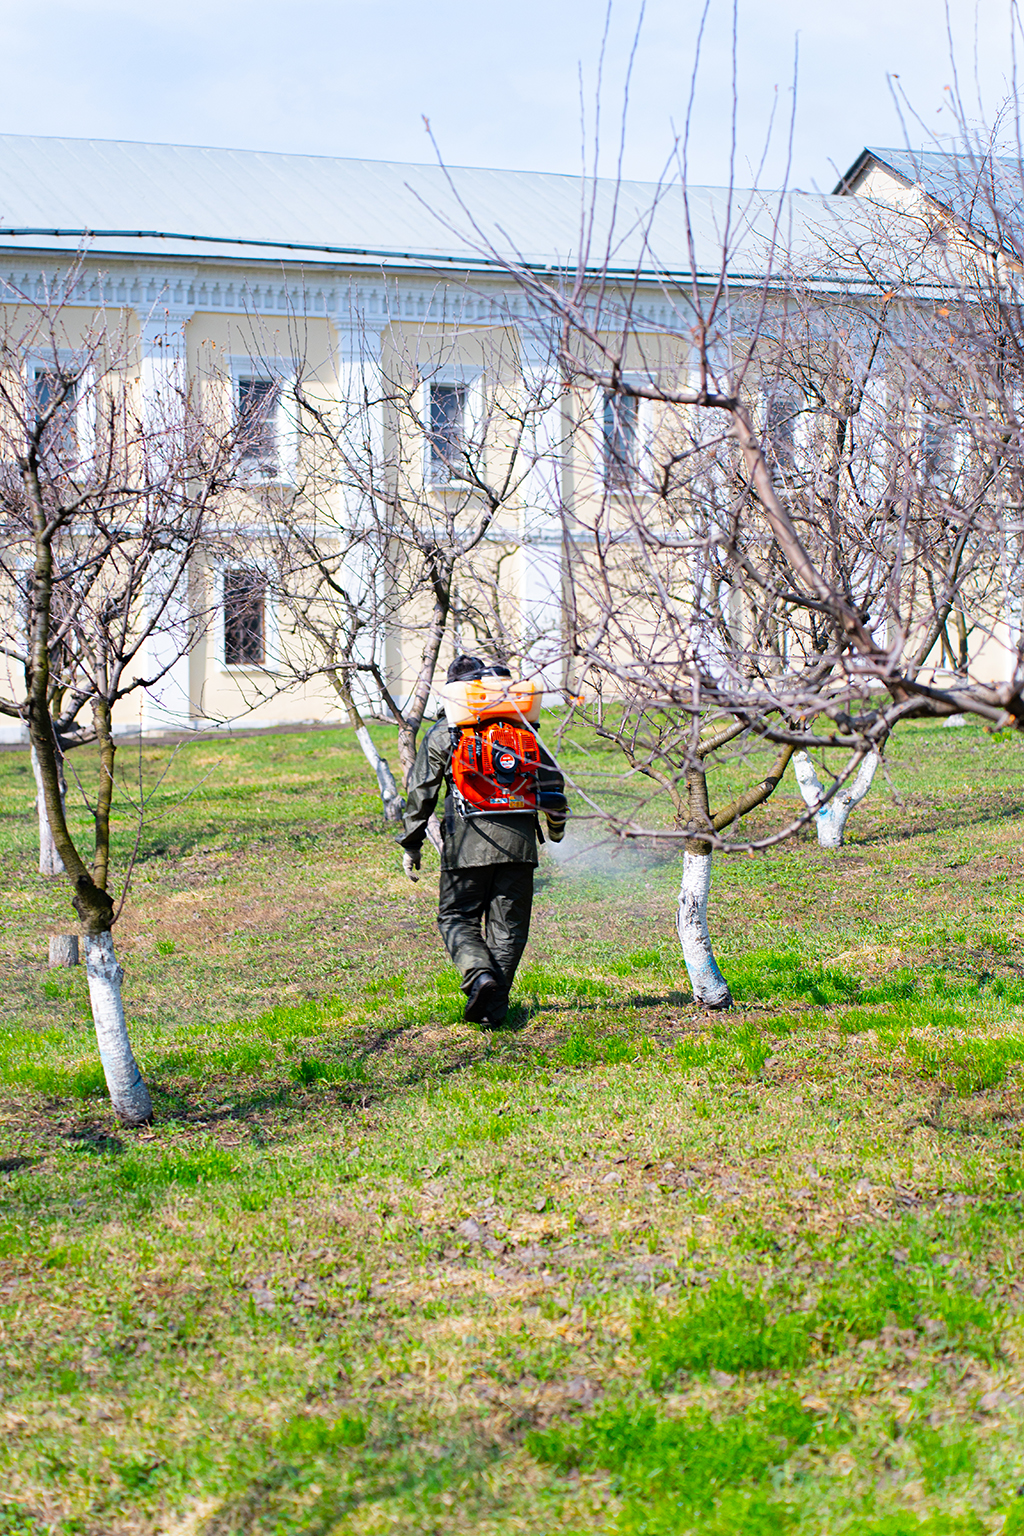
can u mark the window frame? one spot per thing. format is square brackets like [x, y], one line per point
[270, 662]
[467, 379]
[440, 467]
[619, 475]
[782, 411]
[38, 365]
[244, 603]
[280, 421]
[944, 449]
[258, 427]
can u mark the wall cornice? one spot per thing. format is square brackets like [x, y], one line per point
[351, 300]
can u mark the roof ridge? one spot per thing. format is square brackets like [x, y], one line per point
[297, 154]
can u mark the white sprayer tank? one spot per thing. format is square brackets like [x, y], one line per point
[491, 698]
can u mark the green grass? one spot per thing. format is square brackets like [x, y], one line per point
[623, 1268]
[730, 1328]
[673, 1471]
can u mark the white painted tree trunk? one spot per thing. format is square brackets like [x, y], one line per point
[831, 818]
[50, 861]
[64, 949]
[128, 1093]
[435, 834]
[390, 798]
[709, 985]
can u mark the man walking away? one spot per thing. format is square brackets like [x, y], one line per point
[487, 862]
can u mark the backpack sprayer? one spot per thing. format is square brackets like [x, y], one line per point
[497, 768]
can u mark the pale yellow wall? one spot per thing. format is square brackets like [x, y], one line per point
[487, 358]
[111, 336]
[881, 185]
[218, 346]
[493, 579]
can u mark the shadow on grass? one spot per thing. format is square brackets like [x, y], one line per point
[968, 811]
[320, 1055]
[346, 1079]
[93, 1138]
[296, 1092]
[258, 1507]
[517, 1019]
[663, 1000]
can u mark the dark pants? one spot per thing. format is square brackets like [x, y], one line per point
[484, 918]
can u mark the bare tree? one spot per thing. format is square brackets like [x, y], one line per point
[799, 521]
[831, 815]
[106, 488]
[416, 450]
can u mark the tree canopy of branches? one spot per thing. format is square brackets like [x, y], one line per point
[415, 453]
[800, 524]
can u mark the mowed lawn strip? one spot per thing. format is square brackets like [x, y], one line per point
[624, 1268]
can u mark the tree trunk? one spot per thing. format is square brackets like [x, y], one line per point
[435, 834]
[407, 734]
[95, 907]
[64, 949]
[50, 861]
[831, 818]
[710, 987]
[407, 756]
[128, 1093]
[390, 799]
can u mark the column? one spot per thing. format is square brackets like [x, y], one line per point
[167, 703]
[362, 475]
[542, 614]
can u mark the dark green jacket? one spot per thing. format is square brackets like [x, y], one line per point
[469, 841]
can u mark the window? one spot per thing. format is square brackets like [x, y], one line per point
[780, 416]
[447, 427]
[257, 429]
[245, 618]
[60, 440]
[619, 440]
[937, 448]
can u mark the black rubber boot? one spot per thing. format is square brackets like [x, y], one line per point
[482, 996]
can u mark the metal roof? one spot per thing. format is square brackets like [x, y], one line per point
[122, 198]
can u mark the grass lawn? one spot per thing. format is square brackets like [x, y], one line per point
[623, 1268]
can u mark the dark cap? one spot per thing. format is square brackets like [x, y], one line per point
[465, 669]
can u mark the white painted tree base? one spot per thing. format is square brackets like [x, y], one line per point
[710, 987]
[390, 798]
[64, 949]
[50, 861]
[128, 1093]
[830, 819]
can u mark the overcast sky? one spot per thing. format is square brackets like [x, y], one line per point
[500, 83]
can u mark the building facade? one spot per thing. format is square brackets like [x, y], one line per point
[387, 298]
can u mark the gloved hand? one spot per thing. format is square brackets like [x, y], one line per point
[411, 863]
[556, 826]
